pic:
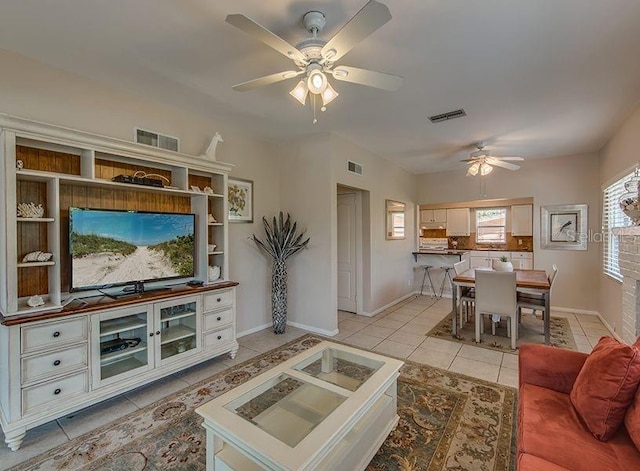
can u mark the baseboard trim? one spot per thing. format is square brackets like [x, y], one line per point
[386, 306]
[315, 330]
[576, 311]
[252, 330]
[610, 329]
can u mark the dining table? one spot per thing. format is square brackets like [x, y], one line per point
[536, 280]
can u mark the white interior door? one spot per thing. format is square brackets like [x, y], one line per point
[347, 273]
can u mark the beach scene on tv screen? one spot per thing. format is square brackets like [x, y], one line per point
[109, 247]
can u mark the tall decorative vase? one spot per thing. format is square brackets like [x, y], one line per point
[281, 242]
[279, 296]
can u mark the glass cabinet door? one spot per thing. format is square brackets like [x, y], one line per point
[123, 343]
[178, 328]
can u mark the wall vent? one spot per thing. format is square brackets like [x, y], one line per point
[438, 118]
[155, 139]
[354, 167]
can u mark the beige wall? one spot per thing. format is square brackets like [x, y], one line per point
[32, 90]
[618, 157]
[561, 180]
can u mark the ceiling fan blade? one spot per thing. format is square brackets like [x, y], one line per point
[510, 158]
[267, 80]
[263, 34]
[500, 163]
[371, 17]
[367, 77]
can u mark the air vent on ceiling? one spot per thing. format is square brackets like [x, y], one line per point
[155, 139]
[438, 118]
[354, 167]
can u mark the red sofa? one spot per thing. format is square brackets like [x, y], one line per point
[551, 435]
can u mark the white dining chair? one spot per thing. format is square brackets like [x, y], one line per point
[534, 300]
[467, 294]
[496, 296]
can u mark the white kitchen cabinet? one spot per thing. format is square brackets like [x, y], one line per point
[458, 222]
[433, 215]
[522, 260]
[522, 220]
[480, 259]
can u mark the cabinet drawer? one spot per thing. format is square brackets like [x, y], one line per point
[216, 300]
[214, 320]
[54, 364]
[521, 255]
[52, 334]
[213, 339]
[53, 391]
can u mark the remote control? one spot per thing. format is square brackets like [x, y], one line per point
[195, 283]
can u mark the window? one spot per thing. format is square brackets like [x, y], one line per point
[612, 216]
[395, 220]
[491, 226]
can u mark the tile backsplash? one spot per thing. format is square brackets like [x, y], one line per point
[469, 242]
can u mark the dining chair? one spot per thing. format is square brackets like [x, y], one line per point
[467, 294]
[533, 299]
[496, 296]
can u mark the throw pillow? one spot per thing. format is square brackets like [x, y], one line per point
[606, 386]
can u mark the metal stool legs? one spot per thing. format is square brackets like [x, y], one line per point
[444, 279]
[427, 274]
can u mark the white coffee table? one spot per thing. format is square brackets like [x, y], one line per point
[330, 407]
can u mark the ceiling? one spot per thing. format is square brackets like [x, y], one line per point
[537, 78]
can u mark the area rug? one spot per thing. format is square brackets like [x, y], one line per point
[447, 422]
[531, 330]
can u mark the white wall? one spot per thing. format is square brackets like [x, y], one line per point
[36, 91]
[618, 157]
[561, 180]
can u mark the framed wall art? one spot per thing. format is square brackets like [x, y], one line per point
[564, 227]
[240, 200]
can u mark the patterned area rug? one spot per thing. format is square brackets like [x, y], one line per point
[447, 422]
[531, 330]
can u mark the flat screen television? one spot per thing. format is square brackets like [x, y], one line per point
[117, 248]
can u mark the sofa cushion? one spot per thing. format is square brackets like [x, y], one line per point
[549, 428]
[528, 462]
[632, 419]
[606, 385]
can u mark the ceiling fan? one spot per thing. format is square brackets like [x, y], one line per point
[482, 162]
[316, 58]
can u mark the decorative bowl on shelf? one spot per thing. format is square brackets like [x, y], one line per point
[630, 207]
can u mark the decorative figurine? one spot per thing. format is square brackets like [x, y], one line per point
[210, 153]
[208, 190]
[35, 301]
[211, 219]
[19, 165]
[30, 210]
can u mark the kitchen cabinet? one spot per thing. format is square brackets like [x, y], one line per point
[458, 222]
[480, 259]
[433, 218]
[522, 220]
[522, 260]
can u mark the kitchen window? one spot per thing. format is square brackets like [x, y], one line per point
[491, 226]
[612, 216]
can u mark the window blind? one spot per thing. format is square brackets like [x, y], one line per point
[612, 216]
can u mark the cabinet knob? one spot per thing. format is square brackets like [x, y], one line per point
[219, 318]
[219, 299]
[57, 391]
[157, 332]
[57, 363]
[56, 334]
[151, 334]
[219, 337]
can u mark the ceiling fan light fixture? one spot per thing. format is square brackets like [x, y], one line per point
[485, 169]
[473, 169]
[300, 92]
[328, 95]
[317, 81]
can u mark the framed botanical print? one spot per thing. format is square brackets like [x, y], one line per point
[564, 227]
[240, 200]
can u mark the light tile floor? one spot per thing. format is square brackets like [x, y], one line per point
[398, 331]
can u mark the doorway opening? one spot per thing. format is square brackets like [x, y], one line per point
[350, 234]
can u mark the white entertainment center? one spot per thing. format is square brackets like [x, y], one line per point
[72, 352]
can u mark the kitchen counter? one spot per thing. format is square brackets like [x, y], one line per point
[450, 252]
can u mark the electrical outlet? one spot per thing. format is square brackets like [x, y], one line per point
[519, 241]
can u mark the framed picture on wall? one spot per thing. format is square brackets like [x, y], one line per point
[240, 200]
[564, 227]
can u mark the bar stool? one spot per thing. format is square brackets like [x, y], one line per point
[446, 269]
[427, 274]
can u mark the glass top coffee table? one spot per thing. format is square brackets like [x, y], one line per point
[330, 407]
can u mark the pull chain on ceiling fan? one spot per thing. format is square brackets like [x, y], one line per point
[316, 58]
[482, 162]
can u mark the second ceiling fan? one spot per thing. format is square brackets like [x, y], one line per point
[316, 58]
[482, 162]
